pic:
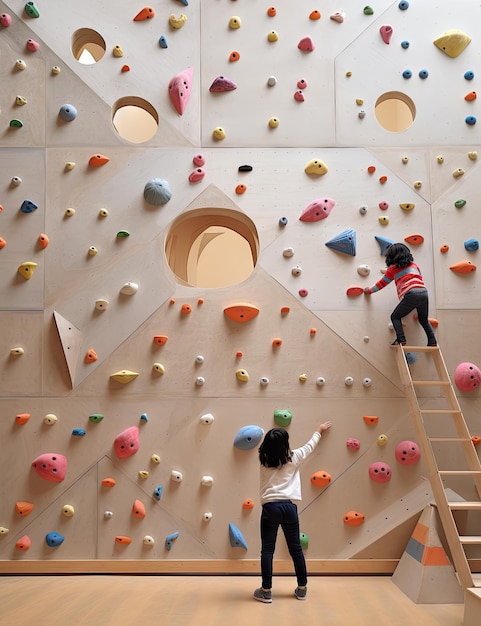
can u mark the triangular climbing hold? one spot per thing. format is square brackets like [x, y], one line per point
[71, 339]
[344, 242]
[384, 243]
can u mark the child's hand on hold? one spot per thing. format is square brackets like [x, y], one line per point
[367, 291]
[324, 426]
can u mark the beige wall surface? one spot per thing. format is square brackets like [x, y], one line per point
[327, 337]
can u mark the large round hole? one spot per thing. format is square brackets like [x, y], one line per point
[135, 119]
[212, 247]
[88, 46]
[395, 111]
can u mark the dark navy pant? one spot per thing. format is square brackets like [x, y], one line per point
[274, 514]
[414, 299]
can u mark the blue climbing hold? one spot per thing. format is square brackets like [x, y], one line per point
[163, 42]
[407, 74]
[67, 112]
[470, 120]
[54, 539]
[471, 245]
[283, 221]
[28, 206]
[469, 75]
[384, 243]
[423, 74]
[79, 432]
[411, 357]
[403, 5]
[344, 242]
[169, 540]
[158, 492]
[236, 538]
[405, 44]
[248, 437]
[144, 417]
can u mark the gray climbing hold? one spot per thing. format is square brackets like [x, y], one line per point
[157, 192]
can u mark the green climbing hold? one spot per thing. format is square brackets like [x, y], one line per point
[460, 203]
[123, 233]
[304, 541]
[31, 10]
[368, 10]
[16, 124]
[95, 418]
[282, 417]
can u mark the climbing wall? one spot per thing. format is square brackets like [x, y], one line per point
[133, 402]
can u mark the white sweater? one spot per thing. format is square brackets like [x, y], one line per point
[284, 482]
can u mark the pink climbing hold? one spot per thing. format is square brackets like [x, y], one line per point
[180, 87]
[299, 95]
[380, 472]
[5, 19]
[32, 45]
[386, 33]
[197, 175]
[127, 442]
[467, 377]
[353, 444]
[52, 467]
[138, 509]
[306, 44]
[407, 453]
[221, 83]
[317, 210]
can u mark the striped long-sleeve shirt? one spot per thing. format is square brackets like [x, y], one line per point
[405, 278]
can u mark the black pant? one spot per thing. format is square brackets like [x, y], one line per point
[414, 299]
[274, 514]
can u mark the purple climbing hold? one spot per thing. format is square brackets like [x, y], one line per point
[317, 210]
[221, 84]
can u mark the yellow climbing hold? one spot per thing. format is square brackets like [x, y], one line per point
[26, 269]
[452, 42]
[124, 376]
[177, 22]
[317, 167]
[407, 206]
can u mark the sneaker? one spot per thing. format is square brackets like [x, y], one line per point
[263, 596]
[398, 343]
[300, 593]
[432, 345]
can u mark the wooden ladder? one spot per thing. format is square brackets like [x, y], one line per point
[433, 460]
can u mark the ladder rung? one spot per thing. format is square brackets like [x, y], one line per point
[465, 506]
[455, 439]
[459, 472]
[432, 383]
[471, 540]
[440, 411]
[417, 348]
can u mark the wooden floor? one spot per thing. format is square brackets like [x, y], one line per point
[95, 600]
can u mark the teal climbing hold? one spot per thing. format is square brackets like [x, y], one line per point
[236, 537]
[282, 417]
[169, 540]
[384, 243]
[345, 242]
[31, 10]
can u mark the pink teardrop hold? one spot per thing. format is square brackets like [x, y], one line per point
[32, 45]
[127, 442]
[306, 44]
[5, 19]
[197, 175]
[180, 87]
[317, 210]
[52, 467]
[299, 95]
[386, 33]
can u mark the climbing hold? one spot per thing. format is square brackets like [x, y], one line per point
[320, 381]
[363, 270]
[219, 133]
[368, 10]
[353, 518]
[302, 83]
[69, 166]
[386, 33]
[5, 19]
[155, 458]
[272, 36]
[264, 381]
[20, 64]
[362, 114]
[315, 15]
[158, 492]
[92, 251]
[414, 240]
[273, 122]
[28, 206]
[180, 88]
[43, 241]
[383, 243]
[245, 168]
[67, 112]
[345, 242]
[160, 340]
[353, 444]
[240, 189]
[248, 437]
[127, 442]
[199, 381]
[54, 539]
[207, 481]
[306, 44]
[296, 270]
[169, 540]
[95, 418]
[403, 5]
[147, 13]
[458, 172]
[26, 269]
[423, 74]
[444, 248]
[452, 42]
[235, 22]
[283, 221]
[56, 70]
[101, 305]
[467, 377]
[380, 472]
[371, 420]
[129, 288]
[3, 243]
[50, 419]
[470, 120]
[17, 351]
[186, 309]
[23, 543]
[4, 531]
[148, 541]
[68, 510]
[22, 418]
[471, 245]
[304, 540]
[407, 206]
[32, 45]
[199, 359]
[157, 192]
[31, 9]
[138, 509]
[282, 417]
[97, 160]
[316, 167]
[222, 84]
[248, 504]
[407, 453]
[241, 312]
[359, 101]
[382, 440]
[407, 74]
[125, 68]
[383, 220]
[476, 439]
[78, 432]
[353, 292]
[122, 234]
[123, 540]
[303, 293]
[198, 160]
[299, 95]
[234, 56]
[349, 381]
[288, 252]
[463, 267]
[163, 42]
[320, 479]
[470, 96]
[124, 376]
[206, 419]
[272, 11]
[317, 210]
[176, 476]
[90, 356]
[23, 508]
[242, 375]
[51, 467]
[338, 17]
[236, 538]
[363, 209]
[109, 482]
[20, 101]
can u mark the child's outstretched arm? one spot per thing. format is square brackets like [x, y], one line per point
[324, 426]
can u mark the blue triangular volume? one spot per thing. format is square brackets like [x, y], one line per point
[236, 538]
[344, 242]
[384, 243]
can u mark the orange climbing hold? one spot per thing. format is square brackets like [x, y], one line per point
[97, 160]
[147, 13]
[3, 243]
[463, 267]
[382, 179]
[138, 509]
[313, 331]
[476, 440]
[186, 309]
[276, 343]
[90, 356]
[371, 419]
[414, 240]
[240, 189]
[320, 479]
[160, 340]
[123, 539]
[43, 241]
[248, 504]
[444, 248]
[355, 291]
[241, 312]
[23, 543]
[125, 68]
[371, 169]
[315, 15]
[109, 482]
[353, 518]
[234, 56]
[470, 96]
[272, 11]
[23, 508]
[22, 418]
[285, 309]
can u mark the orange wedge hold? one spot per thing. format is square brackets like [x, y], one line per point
[248, 504]
[90, 356]
[241, 312]
[160, 340]
[414, 240]
[123, 539]
[138, 509]
[23, 508]
[371, 419]
[22, 418]
[97, 160]
[355, 291]
[463, 267]
[23, 543]
[147, 13]
[108, 482]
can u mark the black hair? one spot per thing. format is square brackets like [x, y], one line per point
[399, 255]
[274, 451]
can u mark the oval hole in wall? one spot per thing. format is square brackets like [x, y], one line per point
[212, 247]
[135, 119]
[88, 46]
[395, 111]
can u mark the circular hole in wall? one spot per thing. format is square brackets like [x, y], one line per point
[88, 46]
[135, 119]
[395, 111]
[212, 247]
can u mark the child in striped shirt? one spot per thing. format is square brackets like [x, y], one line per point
[411, 291]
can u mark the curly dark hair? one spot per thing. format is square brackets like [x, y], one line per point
[399, 255]
[274, 451]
